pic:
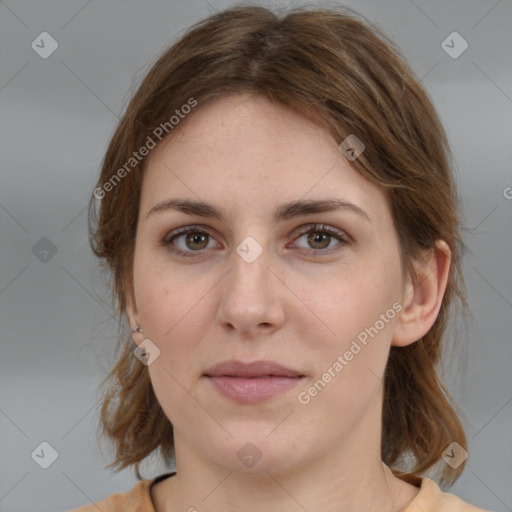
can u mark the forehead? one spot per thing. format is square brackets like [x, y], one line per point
[253, 153]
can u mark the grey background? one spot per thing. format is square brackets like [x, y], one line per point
[57, 326]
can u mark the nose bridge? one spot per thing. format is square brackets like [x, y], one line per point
[248, 297]
[249, 277]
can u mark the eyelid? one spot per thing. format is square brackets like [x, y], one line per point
[187, 229]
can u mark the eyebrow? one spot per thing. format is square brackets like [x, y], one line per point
[283, 212]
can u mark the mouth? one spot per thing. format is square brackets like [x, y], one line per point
[252, 382]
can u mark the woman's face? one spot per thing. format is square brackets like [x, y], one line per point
[256, 286]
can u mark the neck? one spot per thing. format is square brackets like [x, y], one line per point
[323, 485]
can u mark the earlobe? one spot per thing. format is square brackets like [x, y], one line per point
[422, 299]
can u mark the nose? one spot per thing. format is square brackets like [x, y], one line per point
[252, 301]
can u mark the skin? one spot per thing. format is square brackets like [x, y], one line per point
[246, 156]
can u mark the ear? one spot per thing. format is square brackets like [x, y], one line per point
[422, 299]
[131, 313]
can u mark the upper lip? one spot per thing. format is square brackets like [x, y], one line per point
[247, 370]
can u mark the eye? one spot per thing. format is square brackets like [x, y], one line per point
[194, 241]
[190, 241]
[319, 238]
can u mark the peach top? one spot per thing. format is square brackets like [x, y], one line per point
[429, 499]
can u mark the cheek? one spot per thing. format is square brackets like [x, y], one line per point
[350, 366]
[351, 359]
[356, 302]
[360, 347]
[176, 321]
[167, 300]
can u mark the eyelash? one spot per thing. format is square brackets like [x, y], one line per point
[312, 228]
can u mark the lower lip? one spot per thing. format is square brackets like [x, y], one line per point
[253, 390]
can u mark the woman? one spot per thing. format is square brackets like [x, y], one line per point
[280, 219]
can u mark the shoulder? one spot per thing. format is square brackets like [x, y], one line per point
[432, 499]
[138, 499]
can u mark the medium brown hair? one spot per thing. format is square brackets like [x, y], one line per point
[347, 76]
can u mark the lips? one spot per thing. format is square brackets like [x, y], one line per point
[251, 370]
[249, 383]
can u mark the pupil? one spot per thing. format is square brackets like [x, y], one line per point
[196, 239]
[315, 238]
